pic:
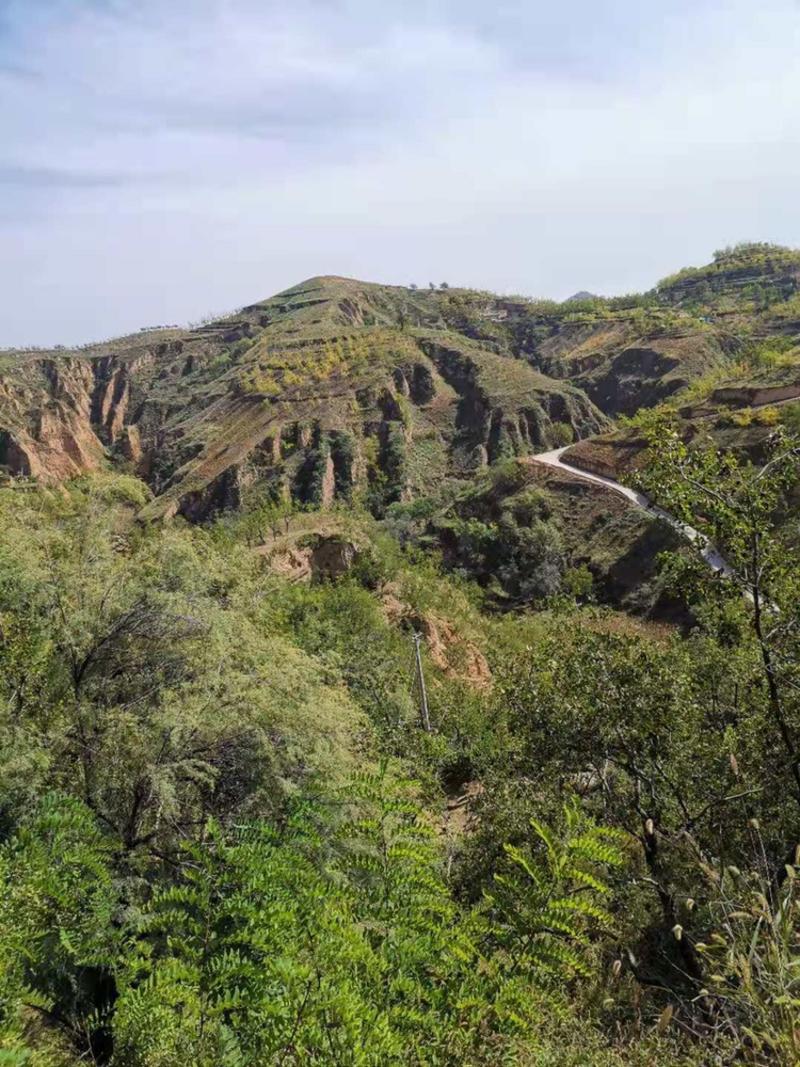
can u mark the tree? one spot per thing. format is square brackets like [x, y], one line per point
[638, 730]
[136, 671]
[335, 942]
[739, 507]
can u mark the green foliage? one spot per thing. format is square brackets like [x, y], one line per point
[737, 506]
[560, 434]
[313, 474]
[578, 582]
[505, 539]
[394, 460]
[749, 277]
[332, 943]
[549, 902]
[136, 672]
[59, 939]
[276, 366]
[343, 451]
[265, 515]
[249, 958]
[199, 861]
[749, 251]
[789, 310]
[753, 954]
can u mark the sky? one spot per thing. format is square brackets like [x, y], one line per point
[162, 160]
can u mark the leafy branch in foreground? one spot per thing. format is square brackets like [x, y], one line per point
[740, 506]
[59, 942]
[548, 904]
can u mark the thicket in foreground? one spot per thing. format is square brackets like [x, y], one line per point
[210, 852]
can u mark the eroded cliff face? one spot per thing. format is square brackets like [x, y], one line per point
[648, 371]
[47, 430]
[330, 389]
[336, 387]
[506, 408]
[60, 414]
[115, 388]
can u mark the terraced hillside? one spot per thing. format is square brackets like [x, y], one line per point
[344, 391]
[327, 389]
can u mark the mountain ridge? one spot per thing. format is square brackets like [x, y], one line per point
[337, 390]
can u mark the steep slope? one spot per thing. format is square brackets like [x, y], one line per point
[332, 386]
[523, 528]
[639, 350]
[341, 390]
[746, 278]
[750, 296]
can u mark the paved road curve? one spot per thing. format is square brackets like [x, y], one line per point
[709, 552]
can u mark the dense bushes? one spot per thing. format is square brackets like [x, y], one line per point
[136, 669]
[210, 851]
[501, 534]
[330, 940]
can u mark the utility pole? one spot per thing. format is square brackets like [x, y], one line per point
[423, 694]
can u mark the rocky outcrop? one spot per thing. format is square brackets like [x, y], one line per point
[113, 385]
[47, 427]
[331, 557]
[131, 446]
[222, 494]
[451, 652]
[59, 413]
[328, 483]
[310, 557]
[609, 455]
[423, 387]
[755, 395]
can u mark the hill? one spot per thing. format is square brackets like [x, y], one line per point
[331, 386]
[340, 391]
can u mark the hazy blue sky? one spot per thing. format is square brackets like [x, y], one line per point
[162, 159]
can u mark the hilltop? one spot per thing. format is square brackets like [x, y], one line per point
[330, 385]
[338, 390]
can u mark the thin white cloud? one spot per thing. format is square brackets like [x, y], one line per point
[160, 160]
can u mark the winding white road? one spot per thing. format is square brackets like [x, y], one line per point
[710, 554]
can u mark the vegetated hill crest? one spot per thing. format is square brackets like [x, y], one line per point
[336, 387]
[331, 386]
